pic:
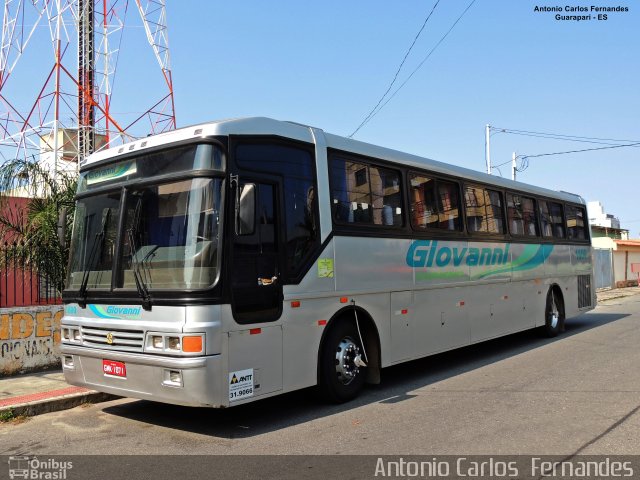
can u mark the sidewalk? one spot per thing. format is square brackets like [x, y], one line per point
[36, 393]
[611, 294]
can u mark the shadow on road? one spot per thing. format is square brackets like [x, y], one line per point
[299, 407]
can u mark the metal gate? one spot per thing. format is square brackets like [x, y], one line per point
[603, 267]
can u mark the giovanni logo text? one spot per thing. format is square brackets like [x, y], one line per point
[438, 261]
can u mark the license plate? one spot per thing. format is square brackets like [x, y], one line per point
[113, 368]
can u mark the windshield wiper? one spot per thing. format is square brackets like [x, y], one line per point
[141, 286]
[96, 250]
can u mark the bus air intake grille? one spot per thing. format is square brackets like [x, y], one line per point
[111, 339]
[584, 291]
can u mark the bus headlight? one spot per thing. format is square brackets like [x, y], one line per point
[175, 344]
[157, 341]
[71, 334]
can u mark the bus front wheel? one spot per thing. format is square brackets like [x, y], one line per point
[554, 314]
[341, 372]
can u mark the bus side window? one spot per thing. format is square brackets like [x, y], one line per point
[555, 209]
[575, 223]
[386, 202]
[484, 210]
[521, 215]
[544, 218]
[551, 218]
[349, 191]
[364, 194]
[435, 203]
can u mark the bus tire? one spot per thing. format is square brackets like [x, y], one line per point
[340, 377]
[553, 314]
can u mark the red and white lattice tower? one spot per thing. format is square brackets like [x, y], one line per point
[58, 62]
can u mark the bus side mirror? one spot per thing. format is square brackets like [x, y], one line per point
[62, 227]
[246, 208]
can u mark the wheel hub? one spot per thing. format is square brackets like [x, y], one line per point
[348, 361]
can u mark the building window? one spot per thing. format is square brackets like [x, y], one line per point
[361, 177]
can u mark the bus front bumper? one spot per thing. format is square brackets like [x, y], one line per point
[195, 381]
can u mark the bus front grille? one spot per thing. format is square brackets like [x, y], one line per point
[584, 291]
[123, 340]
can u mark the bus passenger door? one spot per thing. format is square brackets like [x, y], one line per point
[256, 285]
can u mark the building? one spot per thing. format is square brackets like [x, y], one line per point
[616, 256]
[599, 218]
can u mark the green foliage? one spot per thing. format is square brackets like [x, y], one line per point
[6, 415]
[32, 229]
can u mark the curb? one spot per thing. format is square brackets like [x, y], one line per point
[38, 407]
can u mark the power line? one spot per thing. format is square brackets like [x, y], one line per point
[395, 77]
[511, 130]
[501, 164]
[578, 151]
[556, 136]
[418, 67]
[525, 158]
[425, 58]
[560, 137]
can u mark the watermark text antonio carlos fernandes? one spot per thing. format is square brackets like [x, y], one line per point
[497, 468]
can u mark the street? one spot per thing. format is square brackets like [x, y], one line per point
[523, 394]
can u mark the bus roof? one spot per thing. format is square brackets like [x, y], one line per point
[305, 133]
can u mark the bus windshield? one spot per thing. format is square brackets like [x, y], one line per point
[169, 238]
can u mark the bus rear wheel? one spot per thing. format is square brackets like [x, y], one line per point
[553, 314]
[341, 372]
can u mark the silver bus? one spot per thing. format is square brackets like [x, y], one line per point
[236, 260]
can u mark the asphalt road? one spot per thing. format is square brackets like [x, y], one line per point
[523, 394]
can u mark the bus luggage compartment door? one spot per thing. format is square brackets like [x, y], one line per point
[256, 352]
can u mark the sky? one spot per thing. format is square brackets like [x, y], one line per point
[328, 63]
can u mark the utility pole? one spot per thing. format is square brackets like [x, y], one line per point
[513, 166]
[487, 148]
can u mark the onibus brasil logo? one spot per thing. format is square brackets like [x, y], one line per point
[438, 262]
[32, 468]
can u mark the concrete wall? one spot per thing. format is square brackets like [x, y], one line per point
[29, 338]
[619, 266]
[603, 242]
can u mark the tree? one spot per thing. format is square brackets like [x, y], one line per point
[31, 227]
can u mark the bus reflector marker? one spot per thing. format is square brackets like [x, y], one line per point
[460, 304]
[255, 331]
[344, 299]
[404, 311]
[322, 323]
[295, 304]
